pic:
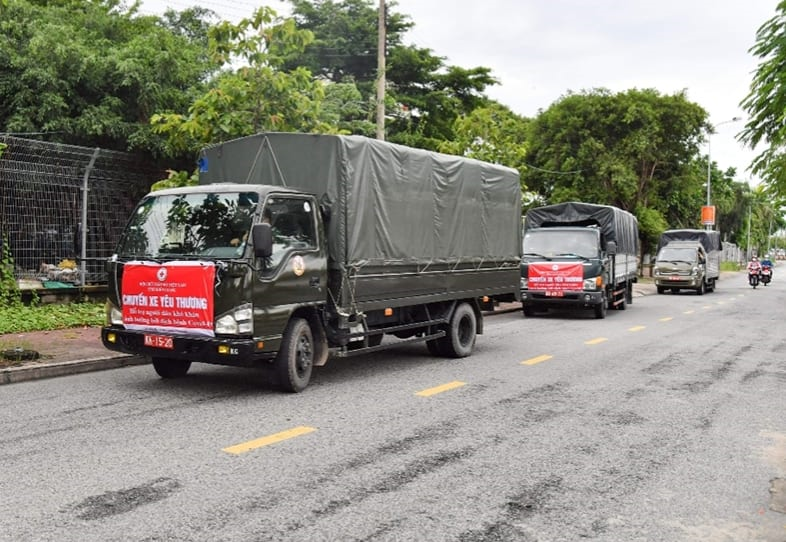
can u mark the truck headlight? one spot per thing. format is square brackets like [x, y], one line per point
[524, 283]
[594, 283]
[114, 316]
[238, 321]
[694, 271]
[656, 272]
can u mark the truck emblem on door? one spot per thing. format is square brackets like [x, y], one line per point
[298, 265]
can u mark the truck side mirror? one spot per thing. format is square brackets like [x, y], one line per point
[262, 239]
[611, 248]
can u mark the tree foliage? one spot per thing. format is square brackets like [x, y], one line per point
[766, 102]
[423, 96]
[635, 150]
[93, 73]
[258, 96]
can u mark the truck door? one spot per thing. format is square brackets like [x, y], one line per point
[298, 265]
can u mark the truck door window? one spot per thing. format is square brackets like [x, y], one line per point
[293, 226]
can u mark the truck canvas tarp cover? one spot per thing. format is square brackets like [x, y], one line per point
[615, 224]
[710, 239]
[391, 209]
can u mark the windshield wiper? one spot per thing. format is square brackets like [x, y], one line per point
[537, 255]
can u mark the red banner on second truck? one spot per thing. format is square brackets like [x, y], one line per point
[556, 277]
[177, 296]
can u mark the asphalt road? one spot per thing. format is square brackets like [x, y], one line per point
[661, 422]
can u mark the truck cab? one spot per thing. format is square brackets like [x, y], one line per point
[682, 265]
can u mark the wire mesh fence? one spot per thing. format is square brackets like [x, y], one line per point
[63, 207]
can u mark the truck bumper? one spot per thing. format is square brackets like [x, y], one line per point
[235, 352]
[678, 281]
[538, 298]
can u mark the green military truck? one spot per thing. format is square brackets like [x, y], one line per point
[687, 259]
[295, 248]
[578, 255]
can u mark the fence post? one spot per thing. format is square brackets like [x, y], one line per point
[83, 251]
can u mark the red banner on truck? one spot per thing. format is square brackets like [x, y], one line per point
[175, 296]
[556, 278]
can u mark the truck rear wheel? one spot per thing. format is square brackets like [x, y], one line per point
[295, 360]
[171, 368]
[460, 333]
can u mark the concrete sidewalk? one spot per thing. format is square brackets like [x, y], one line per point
[79, 350]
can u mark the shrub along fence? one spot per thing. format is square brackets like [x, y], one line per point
[63, 207]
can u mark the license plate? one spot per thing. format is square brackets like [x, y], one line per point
[159, 341]
[674, 278]
[555, 293]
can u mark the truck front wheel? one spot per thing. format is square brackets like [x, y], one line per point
[295, 360]
[171, 368]
[460, 334]
[600, 309]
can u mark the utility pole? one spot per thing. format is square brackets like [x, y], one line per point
[381, 72]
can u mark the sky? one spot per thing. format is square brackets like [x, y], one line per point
[540, 50]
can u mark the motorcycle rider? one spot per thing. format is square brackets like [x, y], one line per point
[767, 262]
[754, 266]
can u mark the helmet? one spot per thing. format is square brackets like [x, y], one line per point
[754, 259]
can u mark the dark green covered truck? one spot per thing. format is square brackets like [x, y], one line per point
[296, 247]
[579, 255]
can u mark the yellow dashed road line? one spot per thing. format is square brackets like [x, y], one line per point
[596, 341]
[439, 389]
[537, 359]
[666, 319]
[689, 312]
[637, 328]
[266, 441]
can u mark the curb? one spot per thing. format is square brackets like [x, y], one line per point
[12, 375]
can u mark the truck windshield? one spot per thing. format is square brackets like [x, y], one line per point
[190, 225]
[677, 254]
[553, 243]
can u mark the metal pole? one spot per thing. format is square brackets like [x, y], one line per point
[381, 72]
[709, 159]
[83, 251]
[750, 253]
[709, 172]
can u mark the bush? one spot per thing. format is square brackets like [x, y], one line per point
[20, 318]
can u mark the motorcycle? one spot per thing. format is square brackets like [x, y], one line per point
[765, 274]
[753, 277]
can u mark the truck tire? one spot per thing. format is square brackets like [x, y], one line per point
[434, 348]
[701, 289]
[460, 333]
[171, 368]
[600, 310]
[527, 310]
[629, 293]
[661, 289]
[295, 360]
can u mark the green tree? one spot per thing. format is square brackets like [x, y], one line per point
[766, 103]
[258, 96]
[635, 150]
[423, 96]
[93, 72]
[346, 38]
[492, 134]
